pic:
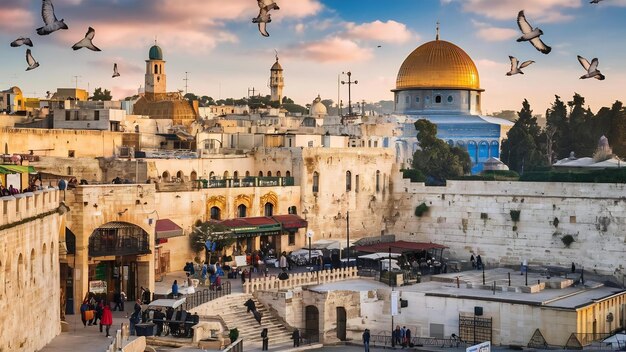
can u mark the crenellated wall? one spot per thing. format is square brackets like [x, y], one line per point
[29, 270]
[475, 217]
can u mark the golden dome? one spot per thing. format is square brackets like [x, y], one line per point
[438, 65]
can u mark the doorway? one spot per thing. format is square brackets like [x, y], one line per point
[312, 317]
[341, 323]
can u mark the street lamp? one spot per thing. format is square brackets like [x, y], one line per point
[349, 83]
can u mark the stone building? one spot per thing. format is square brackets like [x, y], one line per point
[30, 298]
[12, 100]
[156, 102]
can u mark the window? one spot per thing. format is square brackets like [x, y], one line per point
[269, 174]
[269, 209]
[225, 175]
[292, 238]
[247, 173]
[236, 175]
[288, 174]
[96, 115]
[478, 100]
[241, 211]
[417, 99]
[438, 99]
[216, 213]
[156, 69]
[348, 181]
[260, 173]
[356, 183]
[71, 153]
[450, 99]
[67, 115]
[292, 210]
[277, 173]
[377, 181]
[316, 182]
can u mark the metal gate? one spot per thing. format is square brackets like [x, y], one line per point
[475, 329]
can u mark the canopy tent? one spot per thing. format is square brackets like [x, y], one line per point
[326, 244]
[380, 255]
[166, 228]
[399, 247]
[17, 169]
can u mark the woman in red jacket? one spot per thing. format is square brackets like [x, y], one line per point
[107, 318]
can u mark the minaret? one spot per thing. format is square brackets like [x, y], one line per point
[277, 82]
[155, 71]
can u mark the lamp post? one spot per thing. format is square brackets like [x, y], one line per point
[350, 82]
[348, 238]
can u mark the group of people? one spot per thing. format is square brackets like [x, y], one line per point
[11, 191]
[477, 263]
[400, 336]
[95, 309]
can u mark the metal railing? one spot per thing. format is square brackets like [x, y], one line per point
[442, 342]
[251, 181]
[236, 346]
[206, 295]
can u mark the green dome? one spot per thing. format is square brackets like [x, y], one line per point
[156, 53]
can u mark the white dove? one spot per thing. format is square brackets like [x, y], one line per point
[32, 64]
[115, 73]
[49, 19]
[592, 69]
[21, 41]
[531, 34]
[264, 16]
[86, 42]
[517, 69]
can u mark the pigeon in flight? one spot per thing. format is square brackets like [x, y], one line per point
[86, 42]
[115, 73]
[21, 41]
[32, 64]
[49, 19]
[531, 34]
[264, 16]
[592, 68]
[595, 1]
[515, 69]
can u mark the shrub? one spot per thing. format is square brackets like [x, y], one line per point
[413, 175]
[233, 335]
[515, 215]
[567, 240]
[421, 209]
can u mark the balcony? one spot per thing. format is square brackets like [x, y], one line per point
[244, 182]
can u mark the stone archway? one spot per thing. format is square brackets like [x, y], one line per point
[341, 323]
[271, 198]
[216, 202]
[311, 324]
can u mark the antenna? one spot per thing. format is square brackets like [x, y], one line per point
[437, 38]
[76, 81]
[186, 79]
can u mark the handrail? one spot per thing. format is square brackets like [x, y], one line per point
[236, 346]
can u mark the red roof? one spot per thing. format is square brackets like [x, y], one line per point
[291, 221]
[253, 221]
[167, 228]
[399, 247]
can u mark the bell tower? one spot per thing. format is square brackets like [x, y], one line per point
[155, 71]
[277, 82]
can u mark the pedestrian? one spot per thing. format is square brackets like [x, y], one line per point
[479, 262]
[407, 337]
[175, 289]
[295, 336]
[134, 319]
[158, 320]
[203, 273]
[250, 305]
[99, 311]
[283, 261]
[265, 339]
[84, 315]
[402, 336]
[257, 316]
[118, 298]
[397, 337]
[573, 267]
[190, 288]
[366, 340]
[106, 320]
[243, 276]
[473, 261]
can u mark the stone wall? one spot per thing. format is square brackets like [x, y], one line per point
[475, 217]
[29, 270]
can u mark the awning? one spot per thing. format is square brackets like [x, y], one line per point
[166, 228]
[19, 169]
[264, 225]
[291, 221]
[399, 247]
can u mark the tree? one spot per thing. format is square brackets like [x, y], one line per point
[100, 95]
[557, 131]
[520, 150]
[436, 158]
[206, 101]
[210, 231]
[190, 97]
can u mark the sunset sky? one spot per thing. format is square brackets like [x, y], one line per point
[225, 55]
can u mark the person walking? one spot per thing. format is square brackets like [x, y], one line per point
[106, 320]
[398, 336]
[283, 261]
[366, 340]
[295, 336]
[473, 261]
[402, 336]
[407, 337]
[479, 262]
[265, 339]
[250, 305]
[175, 289]
[84, 315]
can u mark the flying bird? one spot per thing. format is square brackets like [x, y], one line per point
[515, 69]
[21, 41]
[264, 16]
[49, 19]
[531, 34]
[86, 42]
[32, 64]
[592, 69]
[115, 73]
[594, 1]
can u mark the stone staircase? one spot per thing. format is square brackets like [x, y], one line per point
[232, 310]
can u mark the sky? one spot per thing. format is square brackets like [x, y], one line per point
[316, 40]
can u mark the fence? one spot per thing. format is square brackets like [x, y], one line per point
[442, 342]
[299, 279]
[206, 295]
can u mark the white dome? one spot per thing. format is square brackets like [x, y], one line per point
[317, 108]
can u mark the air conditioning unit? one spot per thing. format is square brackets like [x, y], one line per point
[125, 152]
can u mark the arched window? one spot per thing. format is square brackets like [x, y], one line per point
[348, 181]
[166, 176]
[483, 150]
[450, 99]
[247, 173]
[20, 271]
[216, 213]
[156, 69]
[180, 176]
[236, 175]
[288, 173]
[44, 253]
[193, 176]
[292, 210]
[31, 265]
[269, 209]
[316, 182]
[211, 175]
[277, 173]
[242, 211]
[417, 99]
[377, 181]
[269, 174]
[260, 173]
[226, 175]
[472, 150]
[356, 183]
[495, 149]
[52, 263]
[438, 99]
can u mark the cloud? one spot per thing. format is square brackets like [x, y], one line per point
[540, 10]
[387, 32]
[493, 34]
[299, 28]
[330, 49]
[14, 19]
[125, 66]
